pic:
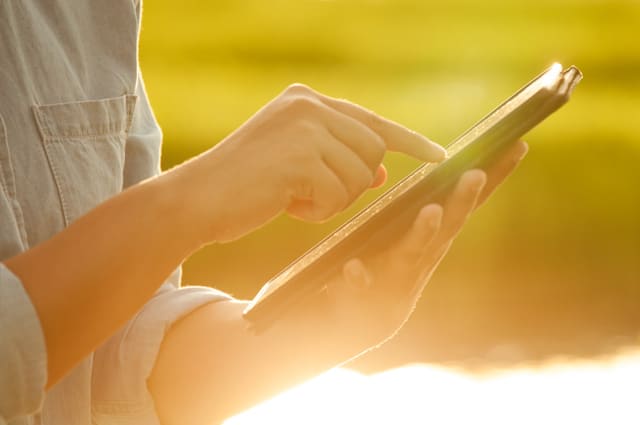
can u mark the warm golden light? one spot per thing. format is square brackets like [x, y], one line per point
[549, 265]
[561, 392]
[551, 76]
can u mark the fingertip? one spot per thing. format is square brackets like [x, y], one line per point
[380, 177]
[356, 274]
[433, 151]
[414, 144]
[440, 152]
[431, 215]
[350, 266]
[475, 179]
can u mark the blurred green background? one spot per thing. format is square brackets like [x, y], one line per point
[551, 266]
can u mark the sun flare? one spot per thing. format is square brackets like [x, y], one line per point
[559, 392]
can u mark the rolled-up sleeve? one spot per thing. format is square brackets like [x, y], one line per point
[23, 356]
[122, 366]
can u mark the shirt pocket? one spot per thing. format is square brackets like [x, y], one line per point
[85, 145]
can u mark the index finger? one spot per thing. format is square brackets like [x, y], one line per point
[396, 137]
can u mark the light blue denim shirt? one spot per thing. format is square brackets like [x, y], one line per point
[75, 129]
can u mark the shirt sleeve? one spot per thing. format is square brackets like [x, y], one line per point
[23, 355]
[122, 366]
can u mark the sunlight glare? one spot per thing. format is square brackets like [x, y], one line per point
[559, 392]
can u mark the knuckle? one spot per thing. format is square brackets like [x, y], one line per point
[365, 180]
[339, 199]
[299, 89]
[379, 143]
[375, 148]
[378, 149]
[304, 129]
[335, 202]
[299, 105]
[296, 166]
[358, 182]
[304, 188]
[302, 158]
[374, 120]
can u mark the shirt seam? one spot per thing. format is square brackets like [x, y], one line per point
[7, 180]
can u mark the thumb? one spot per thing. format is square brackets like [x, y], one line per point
[356, 275]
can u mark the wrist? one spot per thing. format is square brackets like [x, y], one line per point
[176, 212]
[196, 195]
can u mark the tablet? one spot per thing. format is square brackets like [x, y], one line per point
[391, 215]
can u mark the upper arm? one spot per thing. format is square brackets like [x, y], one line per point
[122, 365]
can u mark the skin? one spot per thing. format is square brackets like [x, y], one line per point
[232, 368]
[305, 154]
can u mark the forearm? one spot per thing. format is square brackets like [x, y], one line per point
[87, 280]
[211, 366]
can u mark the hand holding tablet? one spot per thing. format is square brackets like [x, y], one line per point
[393, 213]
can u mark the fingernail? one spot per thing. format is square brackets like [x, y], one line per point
[435, 220]
[476, 182]
[356, 274]
[434, 212]
[439, 152]
[434, 151]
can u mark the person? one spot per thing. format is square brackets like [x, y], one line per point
[93, 326]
